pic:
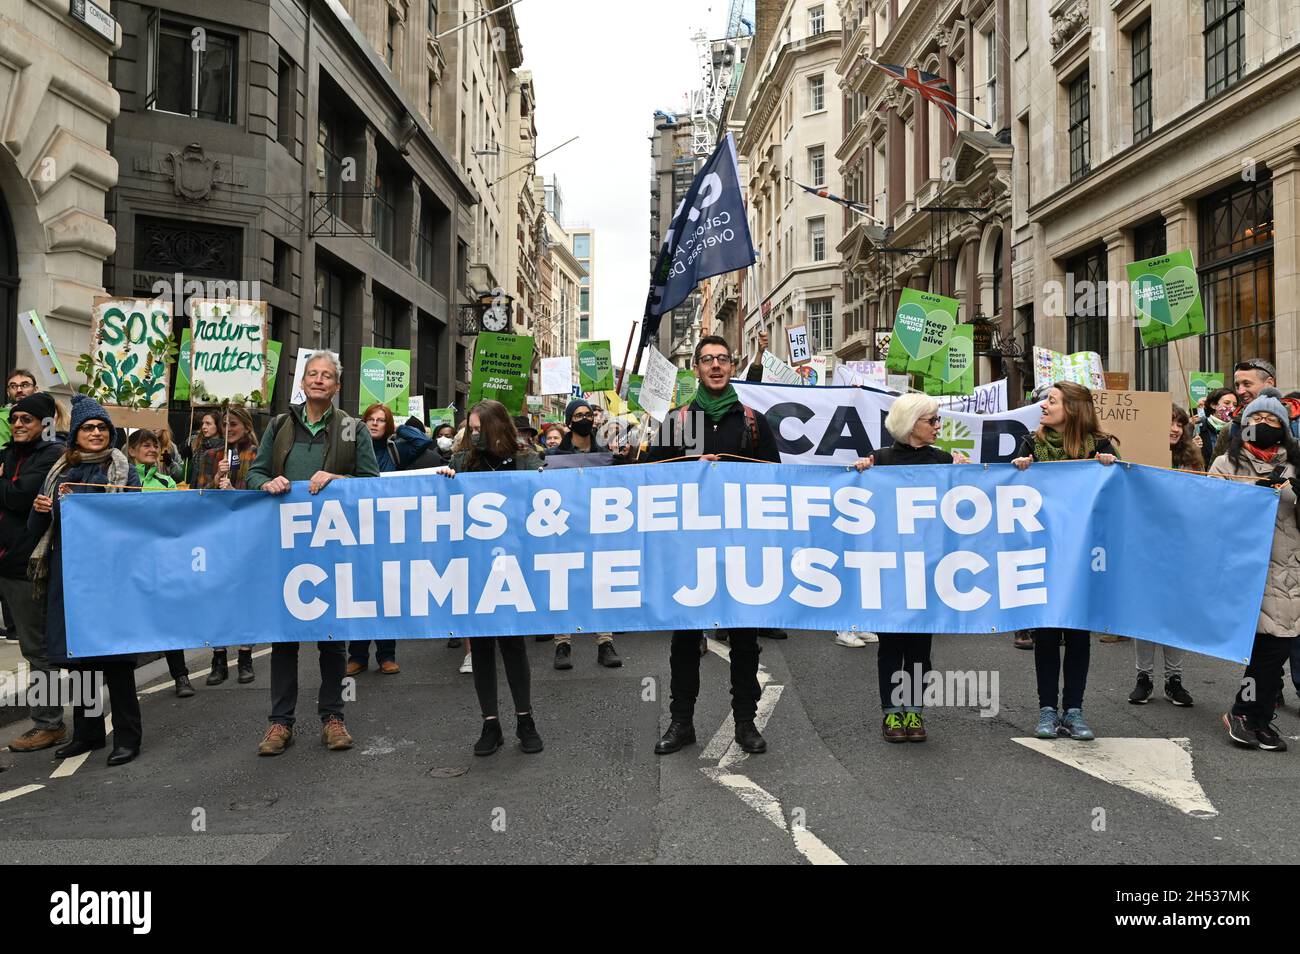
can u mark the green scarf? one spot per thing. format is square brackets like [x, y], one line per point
[716, 407]
[1050, 445]
[1215, 423]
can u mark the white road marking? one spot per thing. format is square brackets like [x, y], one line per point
[16, 792]
[168, 683]
[1157, 768]
[68, 766]
[733, 753]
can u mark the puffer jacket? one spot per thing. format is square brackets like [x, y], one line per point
[1279, 614]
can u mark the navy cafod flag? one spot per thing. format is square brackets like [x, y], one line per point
[709, 235]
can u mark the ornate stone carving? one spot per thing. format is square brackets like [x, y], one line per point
[943, 37]
[192, 173]
[1067, 24]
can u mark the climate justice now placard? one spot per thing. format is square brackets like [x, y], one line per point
[947, 549]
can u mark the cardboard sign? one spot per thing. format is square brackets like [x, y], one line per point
[595, 366]
[501, 370]
[385, 379]
[1116, 380]
[657, 388]
[557, 375]
[1200, 384]
[228, 352]
[1166, 298]
[1140, 422]
[128, 351]
[776, 371]
[442, 415]
[687, 385]
[49, 370]
[923, 326]
[799, 352]
[1082, 367]
[414, 408]
[814, 372]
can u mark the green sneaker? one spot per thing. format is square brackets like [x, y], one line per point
[914, 726]
[892, 728]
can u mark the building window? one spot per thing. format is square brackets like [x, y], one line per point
[582, 246]
[821, 335]
[329, 141]
[998, 275]
[816, 20]
[1223, 44]
[425, 240]
[584, 301]
[433, 17]
[1079, 131]
[817, 239]
[991, 77]
[167, 246]
[286, 104]
[816, 93]
[816, 166]
[1235, 266]
[388, 314]
[1151, 365]
[281, 266]
[191, 70]
[1086, 318]
[384, 210]
[1141, 42]
[329, 308]
[390, 40]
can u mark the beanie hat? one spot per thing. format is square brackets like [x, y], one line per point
[88, 409]
[1269, 401]
[572, 409]
[39, 405]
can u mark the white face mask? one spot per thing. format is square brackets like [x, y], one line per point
[444, 443]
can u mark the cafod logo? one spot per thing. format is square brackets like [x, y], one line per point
[587, 361]
[955, 436]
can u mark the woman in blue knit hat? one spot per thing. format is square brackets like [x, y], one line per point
[90, 464]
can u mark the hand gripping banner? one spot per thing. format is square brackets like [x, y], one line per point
[943, 549]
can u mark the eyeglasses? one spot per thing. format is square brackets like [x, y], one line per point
[21, 386]
[707, 359]
[96, 426]
[583, 417]
[933, 421]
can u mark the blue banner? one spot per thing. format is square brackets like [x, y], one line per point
[944, 549]
[709, 235]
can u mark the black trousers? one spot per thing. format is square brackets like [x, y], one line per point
[514, 656]
[284, 680]
[119, 679]
[901, 653]
[1047, 664]
[176, 663]
[685, 663]
[385, 650]
[1258, 692]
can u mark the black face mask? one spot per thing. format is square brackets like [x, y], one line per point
[1263, 435]
[582, 428]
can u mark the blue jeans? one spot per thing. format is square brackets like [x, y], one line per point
[385, 650]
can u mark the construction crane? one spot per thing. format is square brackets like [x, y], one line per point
[717, 84]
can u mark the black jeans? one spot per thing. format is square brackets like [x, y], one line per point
[176, 663]
[1047, 662]
[1262, 677]
[385, 650]
[685, 663]
[119, 679]
[900, 653]
[514, 656]
[284, 680]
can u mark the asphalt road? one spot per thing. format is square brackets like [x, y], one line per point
[828, 790]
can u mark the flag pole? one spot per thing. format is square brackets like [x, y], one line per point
[622, 371]
[838, 201]
[971, 116]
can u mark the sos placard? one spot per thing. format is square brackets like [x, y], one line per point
[128, 349]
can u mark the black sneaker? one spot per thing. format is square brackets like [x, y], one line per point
[490, 740]
[526, 733]
[1240, 731]
[563, 656]
[1141, 693]
[244, 667]
[1175, 692]
[1269, 740]
[606, 656]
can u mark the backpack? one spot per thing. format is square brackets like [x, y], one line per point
[751, 425]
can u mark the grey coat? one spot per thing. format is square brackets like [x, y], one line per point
[1279, 614]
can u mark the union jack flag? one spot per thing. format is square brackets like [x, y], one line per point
[931, 86]
[855, 206]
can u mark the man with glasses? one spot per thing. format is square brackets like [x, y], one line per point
[1249, 378]
[20, 384]
[726, 427]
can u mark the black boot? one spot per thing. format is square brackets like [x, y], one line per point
[607, 657]
[748, 737]
[526, 733]
[678, 735]
[220, 668]
[183, 688]
[490, 740]
[77, 747]
[244, 666]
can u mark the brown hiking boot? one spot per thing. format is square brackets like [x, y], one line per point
[389, 668]
[278, 738]
[33, 740]
[892, 728]
[355, 667]
[335, 735]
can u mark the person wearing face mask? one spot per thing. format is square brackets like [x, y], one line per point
[444, 439]
[1220, 406]
[1264, 451]
[1249, 379]
[580, 419]
[1069, 431]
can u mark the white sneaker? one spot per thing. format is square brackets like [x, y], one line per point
[844, 637]
[468, 665]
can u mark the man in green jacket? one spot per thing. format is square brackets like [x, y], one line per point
[318, 443]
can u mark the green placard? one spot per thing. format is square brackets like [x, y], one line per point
[1200, 384]
[952, 370]
[272, 364]
[501, 365]
[183, 368]
[442, 415]
[595, 367]
[634, 382]
[687, 385]
[1166, 298]
[385, 379]
[923, 326]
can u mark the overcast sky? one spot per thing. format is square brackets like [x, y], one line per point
[601, 69]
